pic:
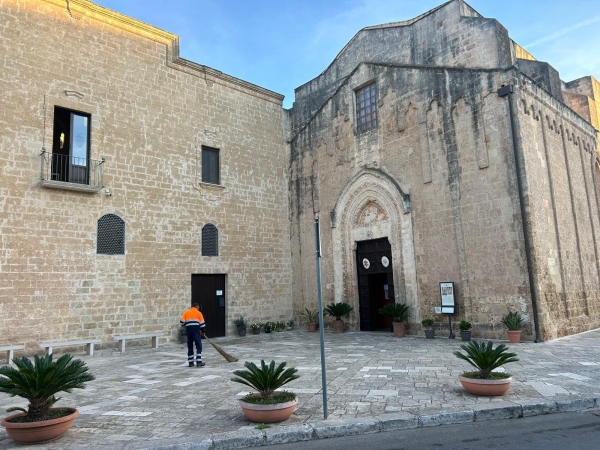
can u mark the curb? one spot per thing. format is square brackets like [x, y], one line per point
[386, 422]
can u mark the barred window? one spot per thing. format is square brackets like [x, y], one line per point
[111, 235]
[210, 240]
[366, 108]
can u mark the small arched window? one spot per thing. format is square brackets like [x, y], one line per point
[111, 235]
[210, 240]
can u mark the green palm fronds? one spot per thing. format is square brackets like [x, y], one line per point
[338, 310]
[397, 311]
[485, 358]
[39, 381]
[266, 379]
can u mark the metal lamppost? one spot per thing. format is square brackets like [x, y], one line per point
[321, 328]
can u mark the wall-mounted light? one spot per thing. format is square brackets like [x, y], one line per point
[107, 193]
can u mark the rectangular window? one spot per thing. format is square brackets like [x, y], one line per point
[210, 165]
[366, 108]
[70, 146]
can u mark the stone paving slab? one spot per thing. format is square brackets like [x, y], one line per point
[150, 399]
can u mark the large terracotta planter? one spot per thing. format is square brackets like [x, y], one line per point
[485, 387]
[268, 413]
[399, 329]
[514, 337]
[242, 333]
[465, 335]
[312, 327]
[34, 432]
[429, 334]
[338, 326]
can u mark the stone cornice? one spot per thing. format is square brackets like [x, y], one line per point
[86, 8]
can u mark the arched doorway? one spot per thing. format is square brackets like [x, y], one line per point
[372, 215]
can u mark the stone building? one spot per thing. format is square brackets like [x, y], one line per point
[433, 150]
[162, 181]
[438, 150]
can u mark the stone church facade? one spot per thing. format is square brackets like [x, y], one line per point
[438, 150]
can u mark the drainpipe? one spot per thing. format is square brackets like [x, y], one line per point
[507, 91]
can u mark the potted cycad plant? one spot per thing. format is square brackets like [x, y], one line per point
[38, 382]
[241, 325]
[465, 330]
[428, 327]
[312, 319]
[266, 405]
[338, 310]
[485, 358]
[398, 312]
[513, 322]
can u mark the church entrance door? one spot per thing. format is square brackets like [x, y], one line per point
[375, 282]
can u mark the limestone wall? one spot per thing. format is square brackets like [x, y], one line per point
[559, 149]
[444, 137]
[151, 112]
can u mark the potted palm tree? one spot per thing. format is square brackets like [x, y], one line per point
[312, 318]
[485, 358]
[338, 310]
[428, 327]
[38, 382]
[465, 330]
[241, 325]
[513, 322]
[398, 312]
[267, 405]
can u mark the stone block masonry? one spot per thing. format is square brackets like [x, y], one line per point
[151, 112]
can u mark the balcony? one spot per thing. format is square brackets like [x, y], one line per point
[71, 173]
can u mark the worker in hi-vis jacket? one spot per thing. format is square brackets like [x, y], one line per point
[194, 324]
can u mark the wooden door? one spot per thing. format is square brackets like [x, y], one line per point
[209, 292]
[375, 279]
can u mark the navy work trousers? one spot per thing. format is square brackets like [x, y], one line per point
[193, 336]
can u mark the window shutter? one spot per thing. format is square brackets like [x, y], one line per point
[111, 235]
[210, 240]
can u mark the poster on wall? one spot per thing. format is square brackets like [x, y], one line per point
[447, 296]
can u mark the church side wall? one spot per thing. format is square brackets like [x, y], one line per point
[149, 120]
[559, 150]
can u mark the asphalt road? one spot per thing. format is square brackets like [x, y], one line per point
[566, 431]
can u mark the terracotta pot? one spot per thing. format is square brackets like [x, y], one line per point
[485, 387]
[268, 413]
[312, 327]
[34, 432]
[465, 335]
[429, 334]
[338, 326]
[399, 329]
[514, 337]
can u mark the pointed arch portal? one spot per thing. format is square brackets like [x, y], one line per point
[372, 215]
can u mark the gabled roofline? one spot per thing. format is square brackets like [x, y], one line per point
[403, 23]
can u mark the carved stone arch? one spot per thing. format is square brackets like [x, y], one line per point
[371, 188]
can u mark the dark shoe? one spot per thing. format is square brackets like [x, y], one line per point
[191, 365]
[200, 364]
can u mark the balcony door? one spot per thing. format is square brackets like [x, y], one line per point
[71, 146]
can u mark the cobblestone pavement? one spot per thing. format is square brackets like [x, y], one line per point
[149, 397]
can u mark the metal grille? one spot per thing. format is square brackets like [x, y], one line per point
[366, 108]
[210, 240]
[111, 235]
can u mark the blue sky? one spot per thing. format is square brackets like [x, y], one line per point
[281, 44]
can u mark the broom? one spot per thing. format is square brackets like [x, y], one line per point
[218, 348]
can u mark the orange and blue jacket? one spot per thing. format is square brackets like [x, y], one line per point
[192, 318]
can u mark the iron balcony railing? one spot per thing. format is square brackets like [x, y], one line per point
[70, 172]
